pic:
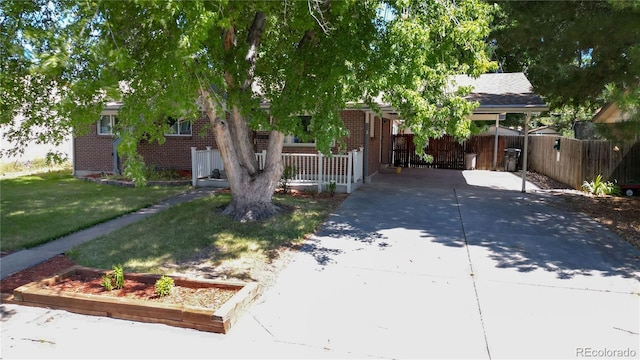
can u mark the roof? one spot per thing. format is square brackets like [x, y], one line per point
[502, 130]
[544, 130]
[497, 93]
[502, 93]
[610, 113]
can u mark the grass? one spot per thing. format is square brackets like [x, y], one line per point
[32, 166]
[198, 231]
[42, 207]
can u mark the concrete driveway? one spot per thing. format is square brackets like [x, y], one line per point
[422, 264]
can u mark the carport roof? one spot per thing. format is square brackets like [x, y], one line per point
[502, 93]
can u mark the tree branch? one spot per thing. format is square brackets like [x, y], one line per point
[253, 39]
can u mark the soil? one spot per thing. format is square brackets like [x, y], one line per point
[620, 214]
[208, 298]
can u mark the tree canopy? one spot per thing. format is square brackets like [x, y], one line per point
[577, 54]
[62, 60]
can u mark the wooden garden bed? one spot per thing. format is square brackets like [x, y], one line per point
[51, 293]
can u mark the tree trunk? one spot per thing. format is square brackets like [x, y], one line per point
[252, 188]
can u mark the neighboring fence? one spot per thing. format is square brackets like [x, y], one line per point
[580, 160]
[311, 169]
[577, 160]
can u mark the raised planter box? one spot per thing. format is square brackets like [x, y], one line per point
[218, 321]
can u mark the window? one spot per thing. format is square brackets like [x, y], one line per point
[179, 127]
[106, 124]
[292, 140]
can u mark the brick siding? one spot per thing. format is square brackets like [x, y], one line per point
[93, 152]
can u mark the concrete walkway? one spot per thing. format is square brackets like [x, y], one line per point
[423, 264]
[25, 259]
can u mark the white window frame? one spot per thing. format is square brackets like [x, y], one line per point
[113, 116]
[289, 140]
[178, 127]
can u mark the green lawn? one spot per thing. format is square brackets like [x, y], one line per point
[199, 229]
[38, 208]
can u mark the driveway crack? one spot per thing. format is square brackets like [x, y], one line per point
[473, 278]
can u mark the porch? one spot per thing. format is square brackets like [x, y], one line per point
[310, 171]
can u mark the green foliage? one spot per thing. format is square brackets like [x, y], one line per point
[107, 281]
[118, 276]
[600, 188]
[164, 286]
[290, 171]
[565, 63]
[40, 207]
[177, 234]
[157, 57]
[332, 188]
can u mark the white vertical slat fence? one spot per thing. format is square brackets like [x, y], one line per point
[311, 169]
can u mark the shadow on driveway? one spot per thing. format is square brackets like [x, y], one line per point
[514, 230]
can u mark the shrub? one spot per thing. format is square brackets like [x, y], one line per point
[600, 188]
[332, 188]
[164, 285]
[107, 282]
[118, 274]
[289, 173]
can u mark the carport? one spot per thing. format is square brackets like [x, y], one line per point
[500, 94]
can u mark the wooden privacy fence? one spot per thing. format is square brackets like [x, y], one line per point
[577, 160]
[449, 154]
[310, 169]
[483, 146]
[580, 160]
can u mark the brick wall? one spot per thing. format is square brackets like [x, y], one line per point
[374, 146]
[175, 153]
[93, 153]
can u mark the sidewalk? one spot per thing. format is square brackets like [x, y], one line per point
[24, 259]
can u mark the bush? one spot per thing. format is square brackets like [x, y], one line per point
[118, 274]
[600, 188]
[107, 282]
[164, 285]
[289, 173]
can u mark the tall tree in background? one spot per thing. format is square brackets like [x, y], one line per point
[62, 60]
[579, 54]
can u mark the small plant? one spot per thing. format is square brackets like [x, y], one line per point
[600, 188]
[289, 173]
[107, 282]
[332, 188]
[164, 285]
[118, 274]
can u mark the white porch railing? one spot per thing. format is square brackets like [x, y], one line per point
[311, 169]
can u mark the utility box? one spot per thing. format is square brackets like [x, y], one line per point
[511, 156]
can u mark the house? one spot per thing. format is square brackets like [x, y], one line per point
[610, 114]
[615, 120]
[544, 130]
[371, 134]
[502, 130]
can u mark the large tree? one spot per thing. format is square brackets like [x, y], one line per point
[577, 54]
[62, 60]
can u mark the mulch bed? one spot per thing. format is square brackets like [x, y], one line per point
[35, 273]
